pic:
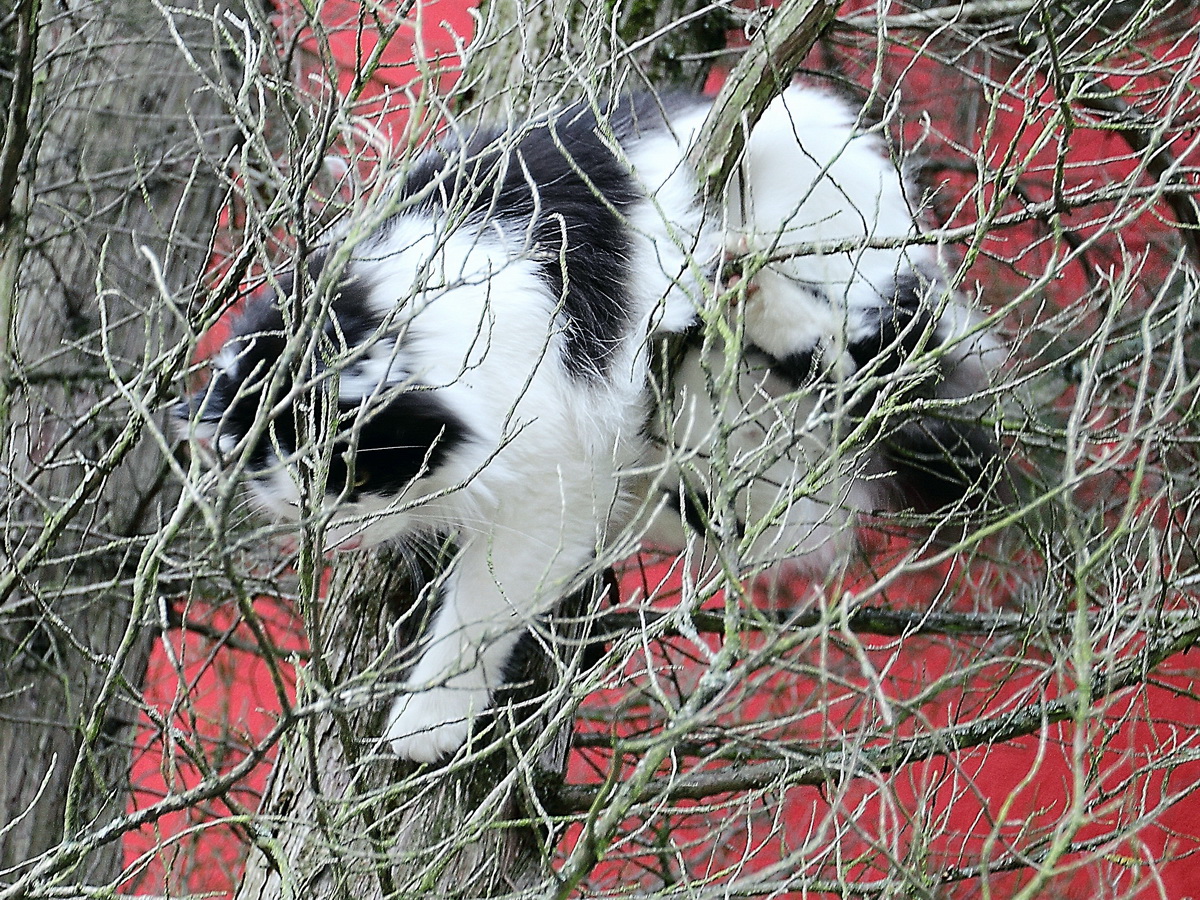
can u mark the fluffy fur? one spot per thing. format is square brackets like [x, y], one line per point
[472, 357]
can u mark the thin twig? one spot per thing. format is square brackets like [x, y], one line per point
[854, 761]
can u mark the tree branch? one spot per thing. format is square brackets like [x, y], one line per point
[1154, 153]
[821, 768]
[16, 128]
[937, 17]
[760, 76]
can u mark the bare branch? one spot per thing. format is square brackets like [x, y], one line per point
[761, 74]
[815, 769]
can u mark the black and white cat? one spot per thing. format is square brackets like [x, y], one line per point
[475, 347]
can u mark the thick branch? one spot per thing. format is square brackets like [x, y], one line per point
[875, 620]
[937, 17]
[762, 73]
[16, 129]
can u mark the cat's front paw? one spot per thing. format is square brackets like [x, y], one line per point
[426, 725]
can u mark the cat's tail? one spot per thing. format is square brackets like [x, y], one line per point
[926, 384]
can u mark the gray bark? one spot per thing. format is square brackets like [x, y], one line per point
[343, 818]
[114, 176]
[530, 53]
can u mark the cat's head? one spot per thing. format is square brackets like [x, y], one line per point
[311, 398]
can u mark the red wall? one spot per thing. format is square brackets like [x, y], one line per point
[230, 697]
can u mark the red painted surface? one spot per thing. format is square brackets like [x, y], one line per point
[225, 699]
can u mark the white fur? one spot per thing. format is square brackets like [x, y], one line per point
[539, 488]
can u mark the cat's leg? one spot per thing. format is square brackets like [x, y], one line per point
[461, 661]
[499, 583]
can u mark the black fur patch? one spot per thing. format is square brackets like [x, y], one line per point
[901, 329]
[903, 326]
[796, 368]
[940, 464]
[695, 507]
[637, 115]
[407, 436]
[399, 436]
[562, 185]
[232, 399]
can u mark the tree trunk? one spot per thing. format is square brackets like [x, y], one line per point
[112, 188]
[349, 820]
[530, 53]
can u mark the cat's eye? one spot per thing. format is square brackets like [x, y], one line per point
[361, 478]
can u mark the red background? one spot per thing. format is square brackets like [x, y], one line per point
[230, 697]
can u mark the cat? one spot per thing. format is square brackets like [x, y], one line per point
[480, 352]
